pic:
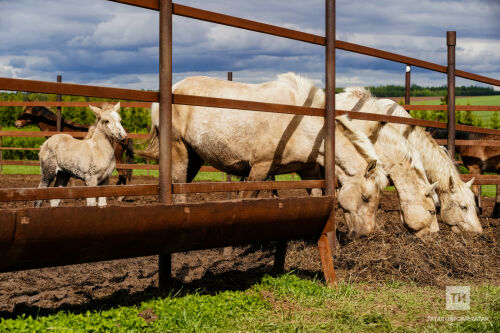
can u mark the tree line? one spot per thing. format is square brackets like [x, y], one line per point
[418, 91]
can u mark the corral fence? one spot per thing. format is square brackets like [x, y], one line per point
[31, 238]
[59, 104]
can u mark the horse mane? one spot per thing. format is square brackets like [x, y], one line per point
[41, 111]
[365, 149]
[90, 133]
[405, 150]
[438, 163]
[358, 92]
[307, 94]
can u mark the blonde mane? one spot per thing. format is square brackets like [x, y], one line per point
[365, 149]
[358, 92]
[438, 164]
[307, 94]
[405, 151]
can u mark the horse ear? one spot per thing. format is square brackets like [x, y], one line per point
[117, 107]
[452, 184]
[470, 182]
[431, 189]
[370, 167]
[97, 111]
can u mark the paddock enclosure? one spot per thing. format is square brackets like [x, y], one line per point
[33, 238]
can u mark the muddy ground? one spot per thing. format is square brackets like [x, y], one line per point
[389, 253]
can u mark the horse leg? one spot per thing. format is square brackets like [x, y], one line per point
[102, 200]
[194, 165]
[62, 180]
[122, 173]
[475, 169]
[119, 149]
[185, 165]
[48, 173]
[496, 209]
[91, 182]
[312, 174]
[479, 200]
[274, 193]
[258, 172]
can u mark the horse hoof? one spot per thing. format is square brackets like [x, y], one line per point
[121, 198]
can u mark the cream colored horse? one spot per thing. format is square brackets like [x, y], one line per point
[458, 208]
[91, 160]
[259, 144]
[401, 161]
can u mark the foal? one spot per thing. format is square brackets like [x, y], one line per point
[91, 160]
[46, 120]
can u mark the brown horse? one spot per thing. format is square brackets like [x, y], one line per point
[46, 120]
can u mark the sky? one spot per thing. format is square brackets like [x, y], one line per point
[99, 42]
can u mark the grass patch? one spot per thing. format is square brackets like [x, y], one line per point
[484, 116]
[20, 170]
[201, 176]
[286, 303]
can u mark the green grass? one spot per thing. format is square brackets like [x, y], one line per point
[285, 304]
[201, 176]
[484, 116]
[478, 100]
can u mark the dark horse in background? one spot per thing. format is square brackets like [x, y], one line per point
[47, 121]
[477, 159]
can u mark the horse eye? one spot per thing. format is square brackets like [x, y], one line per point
[106, 121]
[365, 199]
[463, 207]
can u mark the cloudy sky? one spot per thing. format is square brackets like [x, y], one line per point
[106, 43]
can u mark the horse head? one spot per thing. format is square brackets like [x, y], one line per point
[359, 198]
[458, 208]
[108, 121]
[25, 118]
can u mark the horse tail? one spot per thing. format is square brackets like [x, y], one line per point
[365, 148]
[152, 150]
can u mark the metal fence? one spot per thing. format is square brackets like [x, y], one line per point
[167, 228]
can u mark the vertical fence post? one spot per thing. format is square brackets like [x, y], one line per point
[59, 98]
[327, 238]
[407, 85]
[451, 37]
[165, 174]
[228, 176]
[1, 154]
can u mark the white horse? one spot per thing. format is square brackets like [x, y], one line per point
[91, 160]
[259, 144]
[458, 208]
[404, 167]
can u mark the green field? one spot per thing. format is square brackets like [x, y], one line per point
[286, 304]
[201, 176]
[479, 100]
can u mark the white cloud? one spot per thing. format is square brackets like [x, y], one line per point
[122, 30]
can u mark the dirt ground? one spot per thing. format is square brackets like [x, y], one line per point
[390, 253]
